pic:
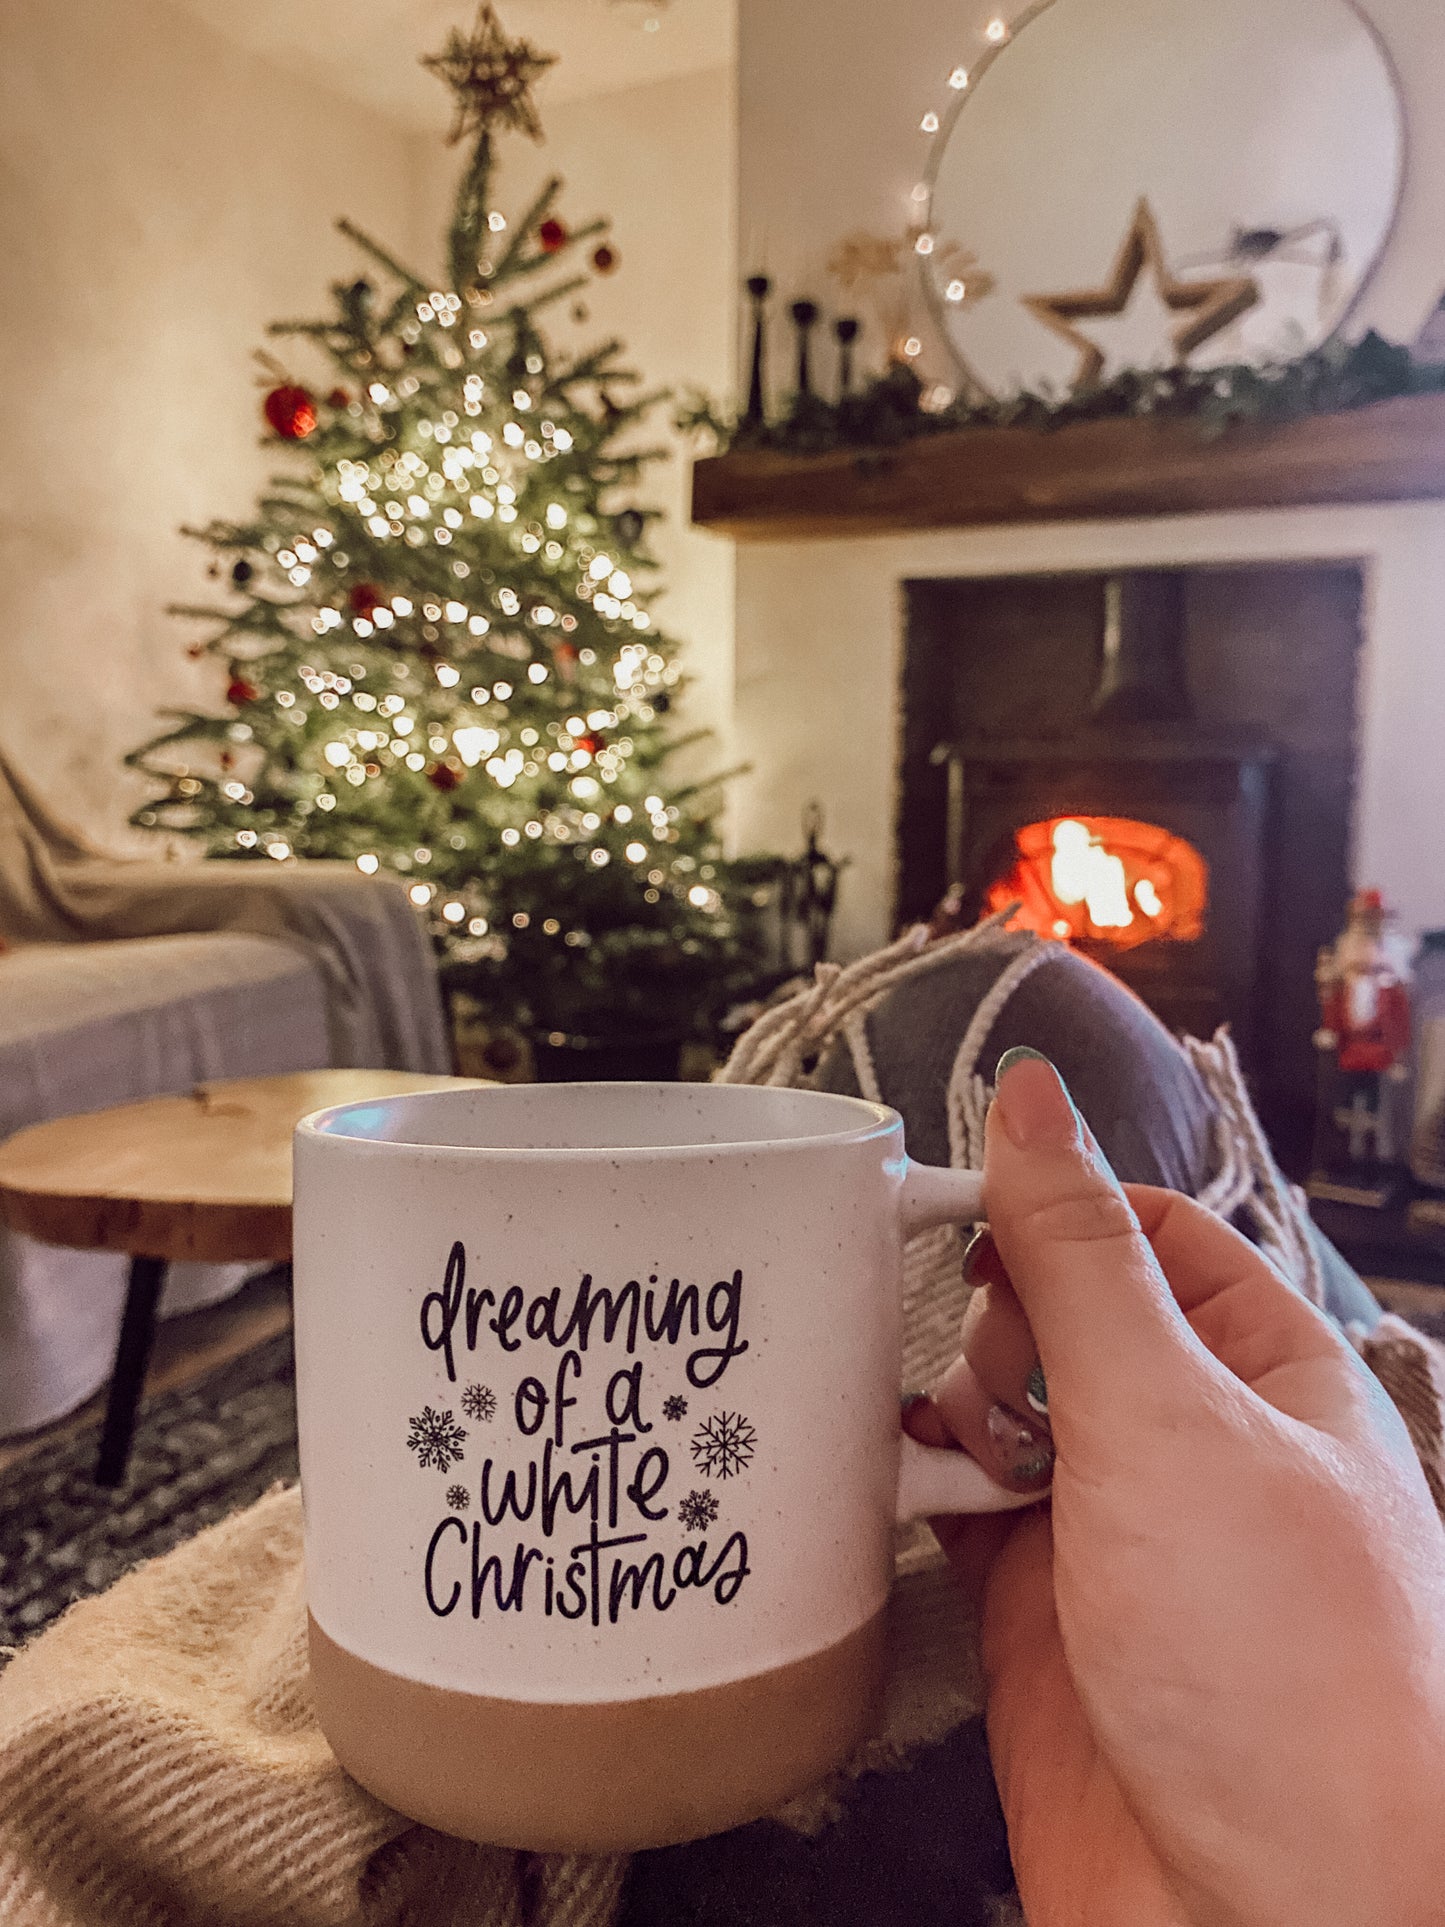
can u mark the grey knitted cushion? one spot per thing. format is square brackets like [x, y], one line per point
[1143, 1099]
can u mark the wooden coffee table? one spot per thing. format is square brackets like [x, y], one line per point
[204, 1176]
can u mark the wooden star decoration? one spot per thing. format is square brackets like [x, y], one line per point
[491, 77]
[1205, 306]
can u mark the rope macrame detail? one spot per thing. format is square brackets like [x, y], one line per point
[855, 1029]
[837, 1004]
[1247, 1178]
[970, 1095]
[773, 1050]
[787, 1044]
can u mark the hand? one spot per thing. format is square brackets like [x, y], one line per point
[1215, 1662]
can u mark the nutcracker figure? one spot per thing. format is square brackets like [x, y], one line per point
[1363, 979]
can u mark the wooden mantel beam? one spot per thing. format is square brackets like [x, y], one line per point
[1391, 451]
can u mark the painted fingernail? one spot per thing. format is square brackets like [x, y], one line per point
[1018, 1054]
[1034, 1108]
[1036, 1391]
[921, 1419]
[1023, 1452]
[982, 1264]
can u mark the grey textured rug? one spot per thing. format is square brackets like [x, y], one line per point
[200, 1451]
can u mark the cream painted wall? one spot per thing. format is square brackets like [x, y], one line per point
[162, 197]
[830, 95]
[660, 162]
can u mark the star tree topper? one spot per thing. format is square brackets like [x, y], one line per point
[491, 77]
[1206, 306]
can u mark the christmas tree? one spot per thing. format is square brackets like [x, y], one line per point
[440, 658]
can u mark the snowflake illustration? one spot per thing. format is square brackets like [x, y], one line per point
[723, 1444]
[674, 1407]
[458, 1498]
[436, 1439]
[480, 1402]
[697, 1511]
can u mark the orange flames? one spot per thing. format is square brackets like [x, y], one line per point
[1104, 880]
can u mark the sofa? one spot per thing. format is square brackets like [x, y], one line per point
[124, 980]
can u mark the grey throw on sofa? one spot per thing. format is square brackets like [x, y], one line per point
[122, 980]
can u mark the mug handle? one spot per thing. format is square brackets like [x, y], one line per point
[930, 1479]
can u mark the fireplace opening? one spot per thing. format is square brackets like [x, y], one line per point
[1105, 883]
[1099, 745]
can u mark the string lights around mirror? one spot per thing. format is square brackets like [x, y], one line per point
[955, 288]
[1285, 165]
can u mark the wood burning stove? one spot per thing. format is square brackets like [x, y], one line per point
[1214, 797]
[1078, 744]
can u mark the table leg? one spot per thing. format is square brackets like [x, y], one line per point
[132, 1355]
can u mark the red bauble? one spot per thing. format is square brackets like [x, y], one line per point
[338, 398]
[552, 235]
[590, 743]
[240, 691]
[364, 599]
[604, 257]
[443, 777]
[291, 412]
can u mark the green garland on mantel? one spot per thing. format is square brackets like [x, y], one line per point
[1338, 376]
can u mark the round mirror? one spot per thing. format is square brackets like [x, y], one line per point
[1105, 159]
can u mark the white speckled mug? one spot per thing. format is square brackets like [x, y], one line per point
[600, 1457]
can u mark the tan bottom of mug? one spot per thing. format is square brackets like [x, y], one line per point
[596, 1778]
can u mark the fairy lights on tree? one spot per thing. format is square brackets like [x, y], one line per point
[439, 654]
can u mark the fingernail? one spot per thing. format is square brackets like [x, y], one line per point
[1034, 1108]
[1018, 1054]
[1036, 1391]
[982, 1264]
[921, 1419]
[973, 1254]
[1023, 1453]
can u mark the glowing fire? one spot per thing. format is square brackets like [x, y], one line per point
[1105, 880]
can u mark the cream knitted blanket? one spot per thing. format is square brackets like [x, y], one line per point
[161, 1765]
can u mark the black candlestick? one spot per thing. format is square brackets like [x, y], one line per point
[846, 330]
[804, 314]
[758, 287]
